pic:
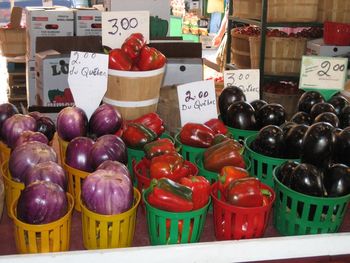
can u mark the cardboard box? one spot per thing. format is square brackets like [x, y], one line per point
[52, 87]
[30, 82]
[87, 22]
[51, 22]
[317, 47]
[183, 70]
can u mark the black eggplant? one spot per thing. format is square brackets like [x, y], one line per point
[321, 107]
[294, 140]
[308, 99]
[257, 104]
[342, 147]
[228, 96]
[344, 117]
[241, 115]
[271, 114]
[301, 117]
[287, 126]
[318, 144]
[46, 126]
[338, 102]
[284, 172]
[337, 180]
[269, 141]
[329, 117]
[308, 179]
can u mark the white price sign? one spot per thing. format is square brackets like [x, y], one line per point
[87, 79]
[246, 79]
[197, 101]
[117, 26]
[323, 73]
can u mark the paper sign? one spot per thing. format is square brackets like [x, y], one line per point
[117, 26]
[197, 101]
[246, 79]
[87, 79]
[323, 73]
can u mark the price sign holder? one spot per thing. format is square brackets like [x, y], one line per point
[87, 79]
[326, 75]
[197, 101]
[246, 79]
[118, 25]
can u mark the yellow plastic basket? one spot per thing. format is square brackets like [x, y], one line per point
[109, 231]
[4, 152]
[75, 180]
[62, 147]
[51, 237]
[12, 189]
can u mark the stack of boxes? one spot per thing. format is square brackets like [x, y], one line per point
[46, 71]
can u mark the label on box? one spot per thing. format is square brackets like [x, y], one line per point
[197, 101]
[323, 73]
[246, 79]
[87, 78]
[117, 26]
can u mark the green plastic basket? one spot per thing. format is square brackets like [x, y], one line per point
[261, 166]
[174, 228]
[135, 155]
[240, 135]
[189, 153]
[300, 214]
[211, 176]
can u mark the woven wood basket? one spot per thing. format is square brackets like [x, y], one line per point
[278, 10]
[240, 50]
[282, 55]
[334, 11]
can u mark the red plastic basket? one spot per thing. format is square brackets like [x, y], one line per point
[233, 222]
[336, 34]
[141, 170]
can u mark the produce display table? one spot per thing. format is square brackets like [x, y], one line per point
[313, 248]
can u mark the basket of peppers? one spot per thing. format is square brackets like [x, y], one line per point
[241, 205]
[223, 152]
[176, 211]
[138, 132]
[161, 159]
[194, 138]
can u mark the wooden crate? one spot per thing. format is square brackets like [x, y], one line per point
[282, 55]
[334, 11]
[278, 10]
[12, 42]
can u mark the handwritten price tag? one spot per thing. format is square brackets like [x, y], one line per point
[323, 73]
[246, 79]
[87, 78]
[197, 101]
[117, 26]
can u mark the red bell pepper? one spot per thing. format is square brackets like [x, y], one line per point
[152, 121]
[169, 165]
[228, 174]
[133, 44]
[246, 192]
[159, 147]
[118, 60]
[136, 135]
[218, 126]
[200, 189]
[223, 154]
[150, 59]
[196, 135]
[170, 196]
[220, 138]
